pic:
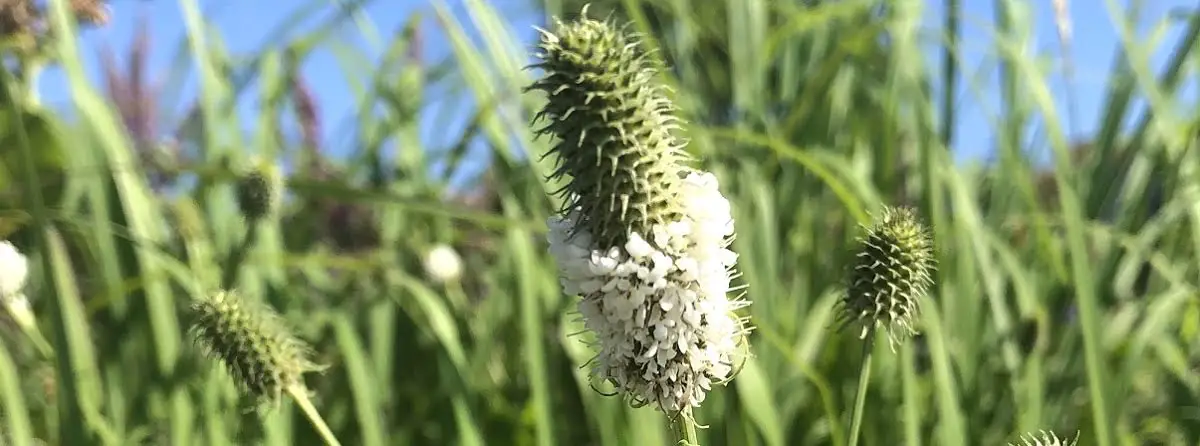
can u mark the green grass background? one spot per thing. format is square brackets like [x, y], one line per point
[1065, 298]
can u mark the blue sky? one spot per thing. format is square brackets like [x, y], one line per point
[245, 25]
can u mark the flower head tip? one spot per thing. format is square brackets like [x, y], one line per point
[613, 126]
[1046, 439]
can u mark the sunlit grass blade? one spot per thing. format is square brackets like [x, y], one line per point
[362, 383]
[17, 427]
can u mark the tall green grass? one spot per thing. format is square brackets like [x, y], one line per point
[1065, 299]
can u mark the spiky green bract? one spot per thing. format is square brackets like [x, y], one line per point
[1046, 439]
[891, 273]
[613, 125]
[249, 338]
[258, 191]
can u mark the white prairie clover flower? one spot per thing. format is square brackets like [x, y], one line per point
[643, 239]
[443, 264]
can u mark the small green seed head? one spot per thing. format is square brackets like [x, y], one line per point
[258, 191]
[891, 273]
[1046, 439]
[250, 339]
[614, 127]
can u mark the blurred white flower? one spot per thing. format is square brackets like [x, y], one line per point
[659, 304]
[13, 270]
[443, 264]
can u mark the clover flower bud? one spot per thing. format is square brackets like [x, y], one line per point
[891, 273]
[258, 191]
[262, 356]
[1047, 439]
[642, 238]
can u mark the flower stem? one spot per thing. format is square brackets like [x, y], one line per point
[39, 342]
[238, 256]
[860, 397]
[298, 394]
[685, 429]
[28, 325]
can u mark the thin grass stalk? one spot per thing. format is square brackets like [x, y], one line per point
[860, 395]
[950, 71]
[16, 411]
[910, 413]
[363, 384]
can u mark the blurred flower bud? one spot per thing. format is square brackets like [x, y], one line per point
[258, 192]
[443, 264]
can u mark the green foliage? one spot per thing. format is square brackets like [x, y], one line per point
[1065, 298]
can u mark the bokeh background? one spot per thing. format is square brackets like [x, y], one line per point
[1049, 144]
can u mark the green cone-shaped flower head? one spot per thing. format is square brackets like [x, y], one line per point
[891, 272]
[1044, 439]
[614, 127]
[249, 338]
[258, 191]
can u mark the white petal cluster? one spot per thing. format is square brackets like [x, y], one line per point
[659, 305]
[13, 270]
[443, 264]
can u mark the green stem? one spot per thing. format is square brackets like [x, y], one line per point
[685, 429]
[860, 397]
[39, 342]
[238, 256]
[31, 69]
[298, 393]
[910, 412]
[25, 320]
